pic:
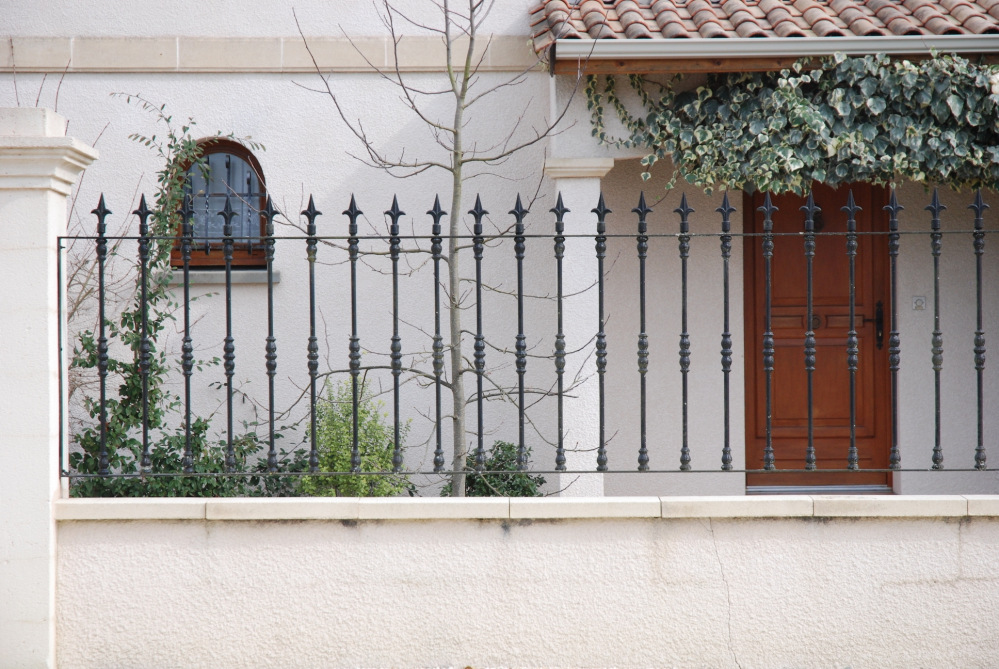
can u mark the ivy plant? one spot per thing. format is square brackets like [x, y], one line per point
[840, 120]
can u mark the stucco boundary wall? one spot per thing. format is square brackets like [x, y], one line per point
[803, 581]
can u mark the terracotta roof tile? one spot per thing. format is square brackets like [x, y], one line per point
[700, 19]
[970, 16]
[632, 21]
[668, 19]
[990, 6]
[745, 24]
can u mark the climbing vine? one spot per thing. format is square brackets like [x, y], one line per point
[842, 120]
[178, 150]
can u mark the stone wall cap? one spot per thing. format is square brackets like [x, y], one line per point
[503, 508]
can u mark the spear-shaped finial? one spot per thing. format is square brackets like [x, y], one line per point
[560, 211]
[979, 206]
[643, 211]
[851, 210]
[437, 214]
[518, 212]
[227, 215]
[186, 212]
[102, 212]
[685, 211]
[310, 214]
[726, 210]
[768, 210]
[477, 213]
[394, 214]
[811, 211]
[893, 207]
[269, 212]
[935, 207]
[352, 213]
[601, 211]
[143, 213]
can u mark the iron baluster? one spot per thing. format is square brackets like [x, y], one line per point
[560, 211]
[518, 212]
[894, 341]
[229, 346]
[394, 214]
[643, 339]
[979, 243]
[352, 213]
[102, 212]
[810, 210]
[936, 341]
[478, 243]
[852, 342]
[187, 347]
[436, 246]
[601, 344]
[768, 210]
[145, 349]
[726, 210]
[684, 243]
[270, 348]
[311, 242]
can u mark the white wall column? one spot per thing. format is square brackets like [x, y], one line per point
[578, 180]
[38, 167]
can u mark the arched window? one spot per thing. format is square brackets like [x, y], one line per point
[229, 169]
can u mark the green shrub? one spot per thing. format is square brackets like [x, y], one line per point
[502, 457]
[249, 478]
[334, 441]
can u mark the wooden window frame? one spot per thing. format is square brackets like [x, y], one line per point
[244, 256]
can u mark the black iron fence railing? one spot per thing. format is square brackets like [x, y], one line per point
[122, 377]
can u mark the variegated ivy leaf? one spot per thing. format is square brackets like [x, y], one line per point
[847, 119]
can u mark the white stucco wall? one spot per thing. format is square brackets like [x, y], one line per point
[815, 582]
[307, 152]
[237, 19]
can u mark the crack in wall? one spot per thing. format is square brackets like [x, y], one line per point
[728, 592]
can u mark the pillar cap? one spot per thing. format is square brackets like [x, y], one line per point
[31, 122]
[578, 168]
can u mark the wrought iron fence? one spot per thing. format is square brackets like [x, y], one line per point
[104, 460]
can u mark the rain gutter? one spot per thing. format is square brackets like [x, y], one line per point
[786, 47]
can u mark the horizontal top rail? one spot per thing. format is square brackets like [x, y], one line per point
[546, 236]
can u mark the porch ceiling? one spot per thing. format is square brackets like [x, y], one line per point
[619, 36]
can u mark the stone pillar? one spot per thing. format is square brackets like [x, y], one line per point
[38, 167]
[578, 180]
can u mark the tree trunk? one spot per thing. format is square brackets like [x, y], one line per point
[454, 314]
[457, 366]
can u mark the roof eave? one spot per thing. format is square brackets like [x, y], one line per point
[647, 55]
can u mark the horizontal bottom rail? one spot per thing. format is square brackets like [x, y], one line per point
[529, 471]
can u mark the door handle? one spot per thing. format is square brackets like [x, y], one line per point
[879, 324]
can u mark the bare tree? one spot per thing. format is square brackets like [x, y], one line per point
[457, 154]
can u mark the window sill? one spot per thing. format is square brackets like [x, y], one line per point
[216, 277]
[502, 508]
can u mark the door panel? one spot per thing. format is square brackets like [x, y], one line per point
[831, 325]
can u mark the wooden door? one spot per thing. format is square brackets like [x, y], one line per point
[831, 324]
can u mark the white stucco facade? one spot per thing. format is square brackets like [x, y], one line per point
[252, 80]
[650, 577]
